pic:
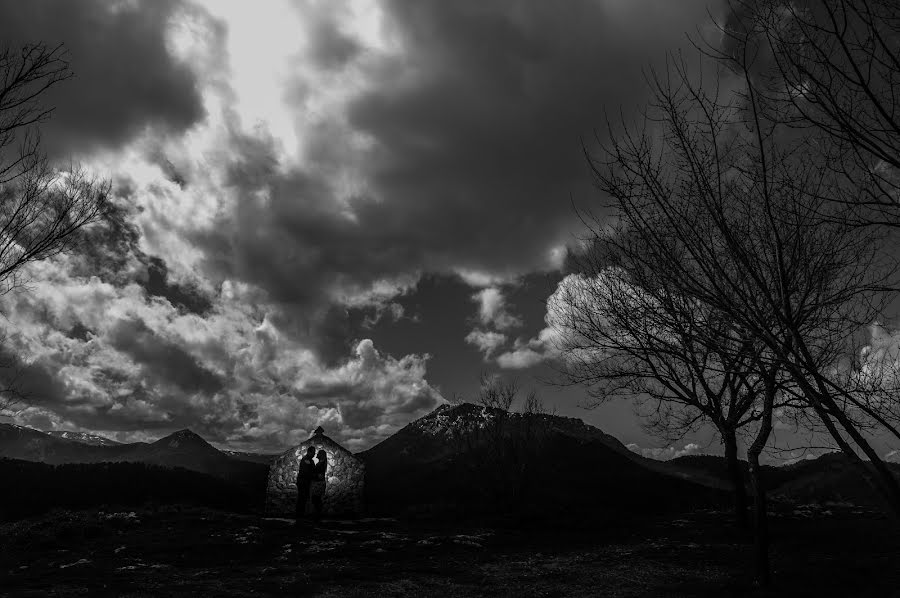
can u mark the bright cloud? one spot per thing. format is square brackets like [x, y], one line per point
[230, 373]
[486, 341]
[492, 309]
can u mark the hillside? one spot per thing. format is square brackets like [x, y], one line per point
[182, 449]
[188, 450]
[465, 458]
[40, 487]
[830, 477]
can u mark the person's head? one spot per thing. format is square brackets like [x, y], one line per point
[310, 451]
[322, 455]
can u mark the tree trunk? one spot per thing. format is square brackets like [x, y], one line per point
[760, 522]
[737, 478]
[757, 484]
[882, 480]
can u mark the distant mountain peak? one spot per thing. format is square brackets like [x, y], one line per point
[183, 438]
[448, 419]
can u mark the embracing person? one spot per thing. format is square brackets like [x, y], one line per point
[305, 474]
[317, 488]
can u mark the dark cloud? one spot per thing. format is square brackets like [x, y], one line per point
[157, 284]
[482, 149]
[108, 247]
[125, 79]
[36, 383]
[358, 414]
[79, 331]
[332, 49]
[475, 155]
[162, 359]
[461, 152]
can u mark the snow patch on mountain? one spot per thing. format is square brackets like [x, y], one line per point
[83, 437]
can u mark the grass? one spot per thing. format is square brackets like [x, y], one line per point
[835, 551]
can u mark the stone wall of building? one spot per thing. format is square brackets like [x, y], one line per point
[344, 479]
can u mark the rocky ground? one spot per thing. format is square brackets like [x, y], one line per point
[830, 550]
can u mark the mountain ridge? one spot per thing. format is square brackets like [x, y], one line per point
[184, 449]
[469, 458]
[82, 437]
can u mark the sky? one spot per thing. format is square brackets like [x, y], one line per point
[328, 212]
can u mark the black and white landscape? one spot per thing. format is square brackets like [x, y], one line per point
[450, 298]
[441, 500]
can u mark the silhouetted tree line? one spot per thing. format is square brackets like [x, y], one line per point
[34, 488]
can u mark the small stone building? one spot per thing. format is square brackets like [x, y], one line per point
[343, 481]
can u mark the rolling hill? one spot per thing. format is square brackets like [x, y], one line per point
[469, 459]
[183, 449]
[830, 477]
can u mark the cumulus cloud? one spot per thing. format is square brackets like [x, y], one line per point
[880, 358]
[521, 358]
[493, 311]
[557, 336]
[666, 453]
[578, 308]
[269, 184]
[486, 341]
[230, 373]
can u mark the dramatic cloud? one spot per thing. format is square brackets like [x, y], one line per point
[448, 142]
[576, 311]
[557, 336]
[126, 79]
[95, 356]
[280, 168]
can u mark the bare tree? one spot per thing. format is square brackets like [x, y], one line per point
[42, 208]
[625, 333]
[512, 439]
[833, 70]
[10, 392]
[736, 218]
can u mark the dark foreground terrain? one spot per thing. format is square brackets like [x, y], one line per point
[834, 550]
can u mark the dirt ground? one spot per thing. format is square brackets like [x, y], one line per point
[818, 551]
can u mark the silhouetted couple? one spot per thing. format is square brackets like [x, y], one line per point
[311, 482]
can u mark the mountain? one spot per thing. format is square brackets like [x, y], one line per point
[183, 449]
[829, 477]
[82, 437]
[471, 459]
[190, 451]
[17, 442]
